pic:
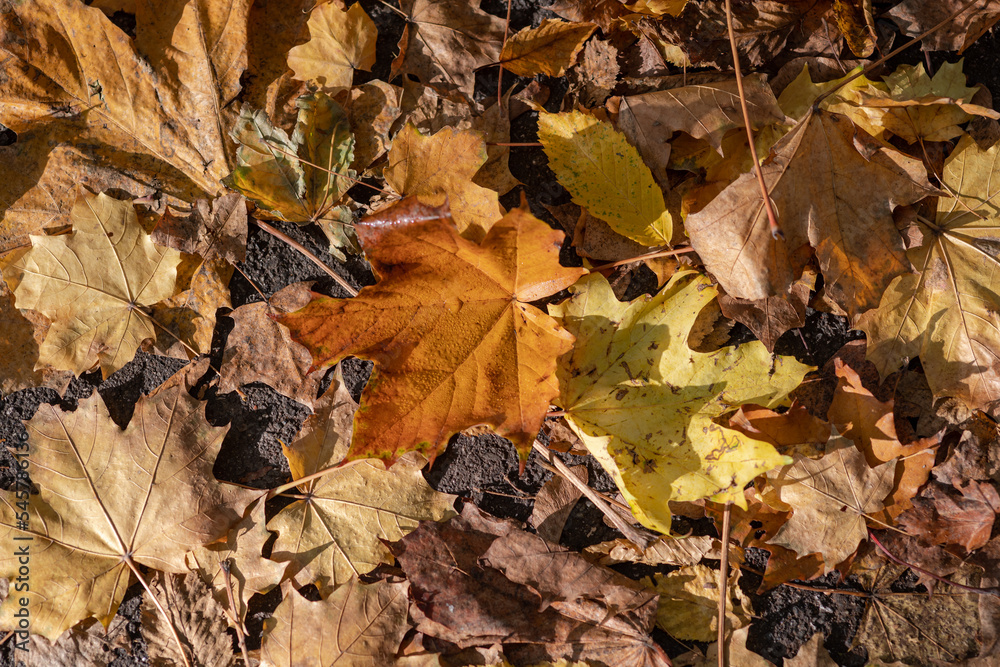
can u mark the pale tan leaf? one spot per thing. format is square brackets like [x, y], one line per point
[197, 617]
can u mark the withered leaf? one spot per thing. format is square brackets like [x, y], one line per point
[478, 581]
[340, 42]
[216, 230]
[915, 17]
[108, 495]
[198, 619]
[941, 516]
[441, 325]
[548, 49]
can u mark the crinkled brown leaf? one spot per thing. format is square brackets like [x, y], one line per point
[664, 551]
[478, 581]
[445, 41]
[198, 619]
[87, 643]
[827, 196]
[214, 230]
[371, 110]
[261, 350]
[942, 516]
[359, 624]
[554, 502]
[146, 492]
[914, 17]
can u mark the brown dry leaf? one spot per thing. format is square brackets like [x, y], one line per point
[340, 41]
[829, 497]
[548, 49]
[480, 581]
[341, 528]
[812, 654]
[70, 56]
[941, 516]
[871, 425]
[595, 239]
[811, 170]
[976, 456]
[88, 643]
[737, 654]
[494, 125]
[664, 551]
[261, 350]
[23, 333]
[95, 285]
[705, 112]
[105, 493]
[914, 17]
[371, 110]
[439, 169]
[441, 325]
[325, 436]
[359, 624]
[601, 12]
[689, 603]
[445, 41]
[185, 322]
[854, 18]
[794, 431]
[216, 230]
[553, 503]
[596, 75]
[770, 318]
[916, 628]
[197, 617]
[250, 572]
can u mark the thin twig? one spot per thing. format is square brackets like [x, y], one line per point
[515, 144]
[630, 532]
[163, 612]
[396, 9]
[606, 498]
[6, 637]
[555, 413]
[772, 219]
[236, 611]
[311, 257]
[648, 255]
[724, 581]
[994, 591]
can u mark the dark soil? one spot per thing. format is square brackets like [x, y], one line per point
[483, 469]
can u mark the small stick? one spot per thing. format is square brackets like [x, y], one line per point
[772, 219]
[311, 257]
[630, 532]
[236, 612]
[648, 255]
[724, 578]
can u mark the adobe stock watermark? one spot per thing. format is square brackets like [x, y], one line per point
[22, 544]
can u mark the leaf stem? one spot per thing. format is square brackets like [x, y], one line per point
[648, 255]
[163, 612]
[224, 565]
[308, 255]
[772, 219]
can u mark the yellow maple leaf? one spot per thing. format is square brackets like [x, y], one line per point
[340, 42]
[643, 402]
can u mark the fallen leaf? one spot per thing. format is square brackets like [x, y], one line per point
[605, 174]
[87, 643]
[854, 18]
[664, 551]
[216, 230]
[23, 333]
[871, 425]
[591, 81]
[480, 581]
[917, 107]
[276, 171]
[105, 494]
[812, 653]
[830, 498]
[250, 572]
[340, 41]
[371, 110]
[554, 502]
[494, 125]
[737, 654]
[976, 456]
[941, 516]
[259, 349]
[445, 42]
[359, 624]
[705, 112]
[325, 436]
[944, 312]
[643, 402]
[95, 285]
[196, 617]
[448, 315]
[689, 603]
[916, 628]
[122, 92]
[338, 531]
[915, 18]
[548, 49]
[858, 247]
[185, 322]
[439, 169]
[601, 12]
[770, 318]
[794, 431]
